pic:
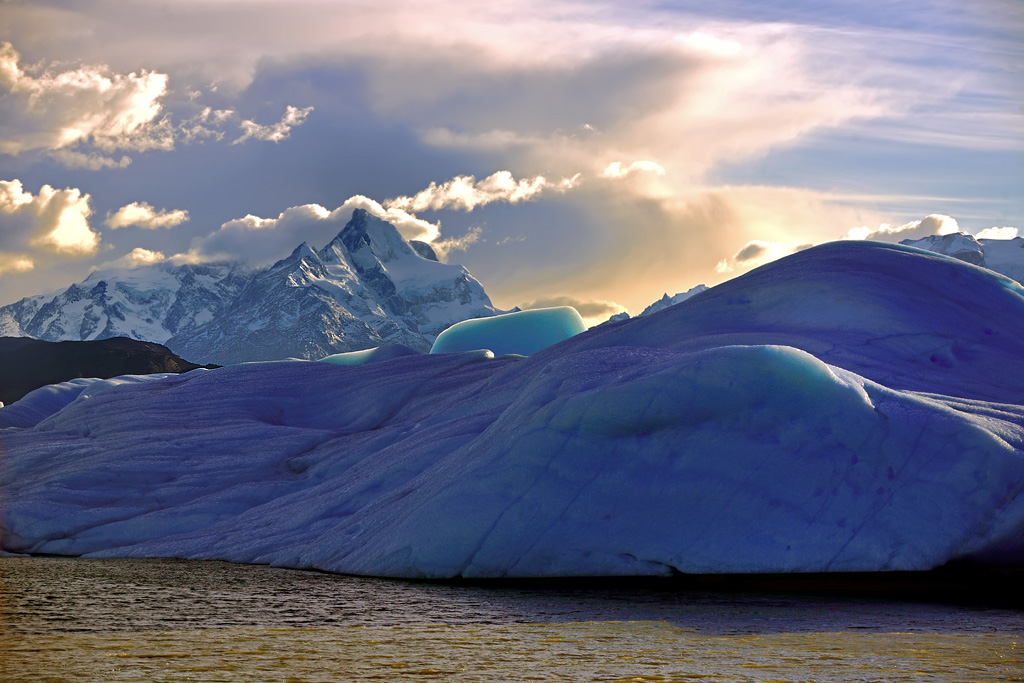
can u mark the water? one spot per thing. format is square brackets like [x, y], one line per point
[67, 619]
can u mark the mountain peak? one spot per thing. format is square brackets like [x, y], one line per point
[366, 288]
[369, 238]
[357, 227]
[304, 251]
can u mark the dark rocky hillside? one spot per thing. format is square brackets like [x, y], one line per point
[27, 364]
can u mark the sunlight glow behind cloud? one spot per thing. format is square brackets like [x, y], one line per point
[690, 134]
[52, 220]
[57, 109]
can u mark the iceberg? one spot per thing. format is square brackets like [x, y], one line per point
[521, 333]
[854, 407]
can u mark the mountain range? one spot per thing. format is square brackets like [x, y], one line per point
[368, 286]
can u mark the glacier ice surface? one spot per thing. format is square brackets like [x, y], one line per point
[522, 333]
[371, 355]
[854, 407]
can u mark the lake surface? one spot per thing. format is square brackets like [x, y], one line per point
[64, 619]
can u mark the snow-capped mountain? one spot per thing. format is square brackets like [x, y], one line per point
[1003, 256]
[368, 286]
[150, 303]
[663, 303]
[666, 301]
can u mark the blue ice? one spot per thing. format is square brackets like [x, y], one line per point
[522, 332]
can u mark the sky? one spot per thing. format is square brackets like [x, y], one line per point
[598, 154]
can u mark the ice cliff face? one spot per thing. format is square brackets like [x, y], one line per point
[367, 287]
[853, 407]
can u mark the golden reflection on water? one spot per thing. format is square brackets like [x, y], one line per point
[615, 651]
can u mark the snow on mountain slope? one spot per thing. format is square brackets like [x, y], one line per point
[666, 301]
[1002, 256]
[149, 303]
[773, 424]
[367, 287]
[662, 303]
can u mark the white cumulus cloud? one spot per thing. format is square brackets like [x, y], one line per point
[143, 215]
[54, 110]
[593, 311]
[135, 258]
[262, 240]
[467, 193]
[140, 257]
[293, 116]
[55, 221]
[1004, 233]
[935, 224]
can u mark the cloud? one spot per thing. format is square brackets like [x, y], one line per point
[143, 215]
[757, 253]
[139, 256]
[91, 162]
[262, 240]
[466, 193]
[15, 263]
[722, 92]
[205, 124]
[997, 234]
[83, 115]
[55, 221]
[593, 311]
[752, 250]
[548, 89]
[443, 248]
[53, 110]
[293, 116]
[617, 170]
[490, 140]
[315, 224]
[935, 224]
[635, 248]
[135, 258]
